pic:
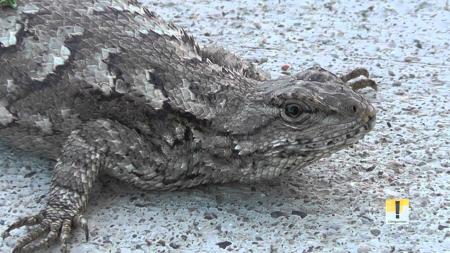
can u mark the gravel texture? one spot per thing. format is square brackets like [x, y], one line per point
[337, 205]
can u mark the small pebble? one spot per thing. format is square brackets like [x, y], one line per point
[441, 227]
[418, 44]
[375, 232]
[371, 168]
[285, 67]
[278, 214]
[210, 216]
[263, 60]
[299, 213]
[363, 248]
[411, 59]
[224, 244]
[174, 245]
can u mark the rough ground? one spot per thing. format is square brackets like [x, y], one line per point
[336, 205]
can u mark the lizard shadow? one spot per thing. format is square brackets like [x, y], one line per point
[302, 190]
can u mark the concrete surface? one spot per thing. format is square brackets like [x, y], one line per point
[337, 205]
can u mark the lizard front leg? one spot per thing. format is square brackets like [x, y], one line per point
[355, 79]
[95, 147]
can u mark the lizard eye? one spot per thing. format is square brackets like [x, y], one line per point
[292, 110]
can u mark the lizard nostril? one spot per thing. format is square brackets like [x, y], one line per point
[355, 108]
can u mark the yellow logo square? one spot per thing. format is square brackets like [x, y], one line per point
[397, 211]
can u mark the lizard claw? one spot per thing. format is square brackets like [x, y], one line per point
[82, 222]
[5, 235]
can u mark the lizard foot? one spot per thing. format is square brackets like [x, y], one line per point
[49, 224]
[362, 83]
[354, 74]
[352, 79]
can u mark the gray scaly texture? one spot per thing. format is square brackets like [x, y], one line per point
[108, 88]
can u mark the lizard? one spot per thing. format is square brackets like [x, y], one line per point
[108, 88]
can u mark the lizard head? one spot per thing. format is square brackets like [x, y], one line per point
[301, 120]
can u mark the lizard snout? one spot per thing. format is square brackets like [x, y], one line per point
[366, 113]
[370, 116]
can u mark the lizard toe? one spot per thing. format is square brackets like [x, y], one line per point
[32, 235]
[362, 83]
[66, 228]
[24, 221]
[354, 74]
[46, 241]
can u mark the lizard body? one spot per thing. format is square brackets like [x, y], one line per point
[108, 88]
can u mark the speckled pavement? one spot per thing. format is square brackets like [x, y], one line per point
[337, 205]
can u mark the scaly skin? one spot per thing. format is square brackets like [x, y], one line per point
[111, 89]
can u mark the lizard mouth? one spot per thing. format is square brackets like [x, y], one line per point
[349, 134]
[336, 142]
